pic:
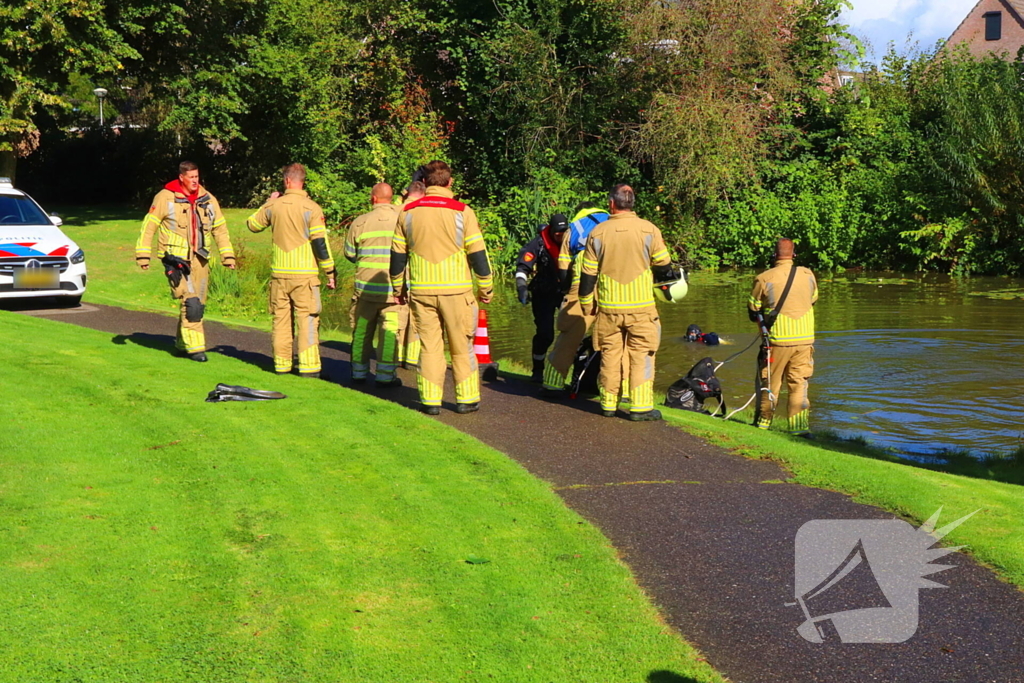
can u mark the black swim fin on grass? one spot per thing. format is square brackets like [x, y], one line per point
[229, 392]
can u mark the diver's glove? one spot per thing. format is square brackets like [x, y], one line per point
[524, 295]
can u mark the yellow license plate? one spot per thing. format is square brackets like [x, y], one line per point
[36, 278]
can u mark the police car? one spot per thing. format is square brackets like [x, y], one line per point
[36, 258]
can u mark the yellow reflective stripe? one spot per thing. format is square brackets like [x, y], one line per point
[636, 294]
[225, 250]
[658, 255]
[474, 239]
[440, 285]
[398, 239]
[787, 329]
[254, 220]
[756, 303]
[317, 231]
[374, 234]
[221, 221]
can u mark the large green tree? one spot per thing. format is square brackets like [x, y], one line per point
[42, 43]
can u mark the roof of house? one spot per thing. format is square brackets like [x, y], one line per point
[1016, 5]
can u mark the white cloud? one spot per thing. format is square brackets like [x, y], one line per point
[884, 21]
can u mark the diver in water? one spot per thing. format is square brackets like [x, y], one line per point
[693, 334]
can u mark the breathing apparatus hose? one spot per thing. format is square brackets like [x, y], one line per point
[766, 345]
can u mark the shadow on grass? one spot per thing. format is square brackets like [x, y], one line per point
[165, 343]
[87, 215]
[668, 677]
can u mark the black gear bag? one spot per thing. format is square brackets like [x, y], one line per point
[700, 384]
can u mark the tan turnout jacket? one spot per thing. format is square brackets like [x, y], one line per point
[438, 233]
[620, 252]
[183, 228]
[368, 245]
[297, 220]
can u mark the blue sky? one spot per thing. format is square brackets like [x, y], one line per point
[882, 21]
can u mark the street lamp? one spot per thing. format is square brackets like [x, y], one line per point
[101, 93]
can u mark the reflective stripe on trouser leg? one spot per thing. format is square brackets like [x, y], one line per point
[608, 338]
[306, 299]
[459, 313]
[643, 337]
[553, 379]
[191, 338]
[799, 369]
[364, 313]
[572, 327]
[387, 358]
[430, 378]
[282, 334]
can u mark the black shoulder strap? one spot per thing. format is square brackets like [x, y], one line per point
[770, 318]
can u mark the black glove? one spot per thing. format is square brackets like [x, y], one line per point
[523, 294]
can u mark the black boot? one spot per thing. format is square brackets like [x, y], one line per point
[464, 408]
[649, 416]
[432, 410]
[538, 371]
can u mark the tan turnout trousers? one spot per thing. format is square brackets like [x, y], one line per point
[453, 316]
[794, 365]
[572, 325]
[636, 336]
[295, 305]
[192, 291]
[390, 321]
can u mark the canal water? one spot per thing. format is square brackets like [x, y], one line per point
[914, 362]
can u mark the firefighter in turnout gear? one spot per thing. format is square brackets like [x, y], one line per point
[573, 320]
[300, 245]
[624, 256]
[368, 245]
[784, 297]
[187, 220]
[539, 258]
[439, 240]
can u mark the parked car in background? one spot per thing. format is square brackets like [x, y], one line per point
[36, 258]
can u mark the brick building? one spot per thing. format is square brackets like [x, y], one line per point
[992, 26]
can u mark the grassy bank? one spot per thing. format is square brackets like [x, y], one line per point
[995, 535]
[330, 536]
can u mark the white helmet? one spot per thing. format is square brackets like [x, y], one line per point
[672, 291]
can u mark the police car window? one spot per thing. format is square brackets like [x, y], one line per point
[16, 210]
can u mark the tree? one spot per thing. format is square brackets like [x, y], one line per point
[43, 42]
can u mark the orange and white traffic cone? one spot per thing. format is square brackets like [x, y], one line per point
[482, 348]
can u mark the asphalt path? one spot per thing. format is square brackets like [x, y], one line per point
[709, 535]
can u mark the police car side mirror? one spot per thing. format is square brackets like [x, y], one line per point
[56, 221]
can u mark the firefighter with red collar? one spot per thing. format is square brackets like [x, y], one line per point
[539, 258]
[188, 221]
[438, 240]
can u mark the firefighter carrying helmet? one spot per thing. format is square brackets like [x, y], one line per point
[673, 290]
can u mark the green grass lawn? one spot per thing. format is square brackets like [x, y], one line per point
[995, 535]
[149, 536]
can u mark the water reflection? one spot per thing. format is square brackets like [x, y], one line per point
[912, 362]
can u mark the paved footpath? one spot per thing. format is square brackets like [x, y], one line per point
[705, 536]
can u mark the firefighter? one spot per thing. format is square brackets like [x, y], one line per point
[439, 240]
[539, 258]
[368, 245]
[573, 321]
[187, 216]
[784, 297]
[623, 258]
[300, 245]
